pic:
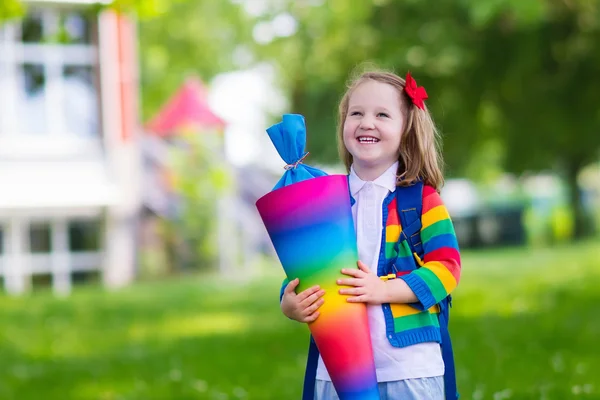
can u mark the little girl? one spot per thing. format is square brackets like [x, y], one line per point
[387, 139]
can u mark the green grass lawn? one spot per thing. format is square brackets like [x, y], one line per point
[525, 325]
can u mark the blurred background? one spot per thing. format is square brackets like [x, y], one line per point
[133, 263]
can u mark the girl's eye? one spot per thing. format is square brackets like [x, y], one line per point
[353, 113]
[383, 115]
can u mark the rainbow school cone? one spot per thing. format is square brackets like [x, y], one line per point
[311, 227]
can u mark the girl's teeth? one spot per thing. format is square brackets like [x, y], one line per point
[368, 140]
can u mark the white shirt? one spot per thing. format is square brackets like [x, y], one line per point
[421, 360]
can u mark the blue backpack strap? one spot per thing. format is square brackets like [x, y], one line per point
[310, 374]
[409, 200]
[447, 353]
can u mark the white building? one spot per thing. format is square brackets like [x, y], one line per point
[69, 154]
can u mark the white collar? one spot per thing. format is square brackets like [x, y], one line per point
[386, 180]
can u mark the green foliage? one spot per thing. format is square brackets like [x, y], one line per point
[512, 83]
[143, 8]
[194, 38]
[201, 179]
[553, 227]
[314, 63]
[500, 70]
[524, 324]
[10, 9]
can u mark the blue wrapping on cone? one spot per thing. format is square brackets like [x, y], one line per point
[289, 138]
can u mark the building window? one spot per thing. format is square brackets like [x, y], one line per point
[32, 29]
[49, 65]
[33, 99]
[84, 236]
[57, 251]
[48, 25]
[80, 100]
[40, 238]
[76, 28]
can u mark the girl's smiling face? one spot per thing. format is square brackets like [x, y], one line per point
[373, 128]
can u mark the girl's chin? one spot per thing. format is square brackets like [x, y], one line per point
[367, 157]
[372, 162]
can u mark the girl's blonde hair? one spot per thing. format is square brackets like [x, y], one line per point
[420, 156]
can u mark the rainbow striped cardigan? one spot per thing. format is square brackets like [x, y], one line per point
[431, 278]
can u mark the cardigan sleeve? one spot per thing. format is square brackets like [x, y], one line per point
[439, 270]
[283, 286]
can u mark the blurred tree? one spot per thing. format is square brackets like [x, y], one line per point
[200, 37]
[10, 9]
[330, 39]
[508, 80]
[201, 179]
[333, 39]
[539, 64]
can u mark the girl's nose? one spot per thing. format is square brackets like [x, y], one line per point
[367, 123]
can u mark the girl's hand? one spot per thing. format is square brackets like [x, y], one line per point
[303, 306]
[366, 286]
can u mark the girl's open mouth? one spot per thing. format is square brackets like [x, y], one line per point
[367, 139]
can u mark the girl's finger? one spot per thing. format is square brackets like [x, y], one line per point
[353, 272]
[357, 299]
[363, 267]
[352, 291]
[291, 286]
[308, 292]
[314, 307]
[312, 298]
[349, 282]
[312, 317]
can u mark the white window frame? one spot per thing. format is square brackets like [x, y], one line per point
[54, 57]
[18, 264]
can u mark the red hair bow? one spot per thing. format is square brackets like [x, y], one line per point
[416, 93]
